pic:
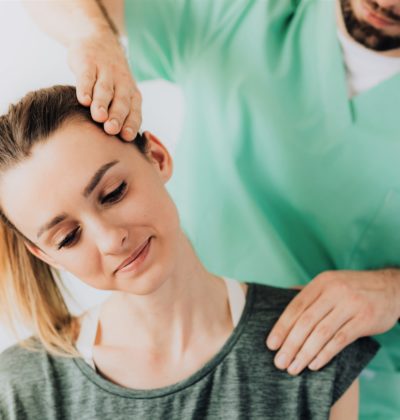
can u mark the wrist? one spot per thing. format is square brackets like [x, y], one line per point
[393, 276]
[97, 30]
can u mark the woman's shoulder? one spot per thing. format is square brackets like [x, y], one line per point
[326, 385]
[271, 299]
[21, 361]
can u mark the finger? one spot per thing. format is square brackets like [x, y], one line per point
[84, 84]
[319, 337]
[342, 338]
[290, 315]
[134, 119]
[103, 94]
[118, 111]
[300, 331]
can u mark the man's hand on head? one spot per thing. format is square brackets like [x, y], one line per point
[104, 82]
[332, 311]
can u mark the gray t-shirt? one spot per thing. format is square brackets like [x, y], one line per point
[239, 382]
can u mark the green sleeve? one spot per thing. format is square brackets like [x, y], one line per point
[167, 38]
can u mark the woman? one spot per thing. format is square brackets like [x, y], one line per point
[172, 340]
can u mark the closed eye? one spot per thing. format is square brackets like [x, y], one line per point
[115, 195]
[70, 239]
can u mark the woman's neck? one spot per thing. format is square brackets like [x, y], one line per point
[191, 306]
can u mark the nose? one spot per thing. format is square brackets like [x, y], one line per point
[109, 237]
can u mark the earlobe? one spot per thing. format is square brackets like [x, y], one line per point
[159, 156]
[41, 255]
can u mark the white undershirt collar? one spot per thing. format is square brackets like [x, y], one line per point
[365, 68]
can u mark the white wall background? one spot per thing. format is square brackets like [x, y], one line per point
[29, 60]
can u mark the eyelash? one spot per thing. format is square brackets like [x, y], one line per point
[111, 198]
[115, 195]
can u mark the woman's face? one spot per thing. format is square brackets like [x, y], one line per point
[92, 204]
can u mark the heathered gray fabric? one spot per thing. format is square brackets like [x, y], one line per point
[240, 382]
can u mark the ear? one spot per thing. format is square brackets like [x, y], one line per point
[159, 156]
[41, 255]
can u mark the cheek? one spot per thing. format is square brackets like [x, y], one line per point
[356, 6]
[84, 262]
[163, 213]
[148, 204]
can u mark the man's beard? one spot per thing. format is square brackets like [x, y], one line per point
[366, 34]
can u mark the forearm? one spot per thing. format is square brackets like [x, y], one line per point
[68, 20]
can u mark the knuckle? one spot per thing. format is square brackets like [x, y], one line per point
[136, 95]
[135, 115]
[120, 111]
[105, 87]
[341, 339]
[131, 121]
[87, 76]
[296, 305]
[322, 277]
[368, 311]
[324, 332]
[118, 115]
[85, 57]
[306, 320]
[124, 102]
[326, 276]
[342, 288]
[356, 301]
[97, 103]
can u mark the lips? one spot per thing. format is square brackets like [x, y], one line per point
[135, 254]
[377, 18]
[380, 18]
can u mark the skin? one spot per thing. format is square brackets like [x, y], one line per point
[176, 313]
[317, 324]
[375, 25]
[103, 78]
[384, 9]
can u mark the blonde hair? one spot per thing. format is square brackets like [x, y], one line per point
[29, 294]
[29, 288]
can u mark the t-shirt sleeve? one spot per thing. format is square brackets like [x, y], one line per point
[350, 362]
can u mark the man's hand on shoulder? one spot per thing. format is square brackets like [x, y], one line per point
[333, 310]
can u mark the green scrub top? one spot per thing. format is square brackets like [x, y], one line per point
[278, 174]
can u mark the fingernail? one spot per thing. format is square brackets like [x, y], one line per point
[102, 109]
[294, 368]
[115, 123]
[128, 132]
[314, 365]
[281, 361]
[273, 342]
[87, 98]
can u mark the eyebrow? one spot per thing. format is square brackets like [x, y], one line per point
[96, 178]
[94, 181]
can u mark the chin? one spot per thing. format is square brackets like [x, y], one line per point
[147, 283]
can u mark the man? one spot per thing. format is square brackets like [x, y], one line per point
[291, 132]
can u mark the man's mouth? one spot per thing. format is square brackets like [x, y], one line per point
[139, 250]
[376, 18]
